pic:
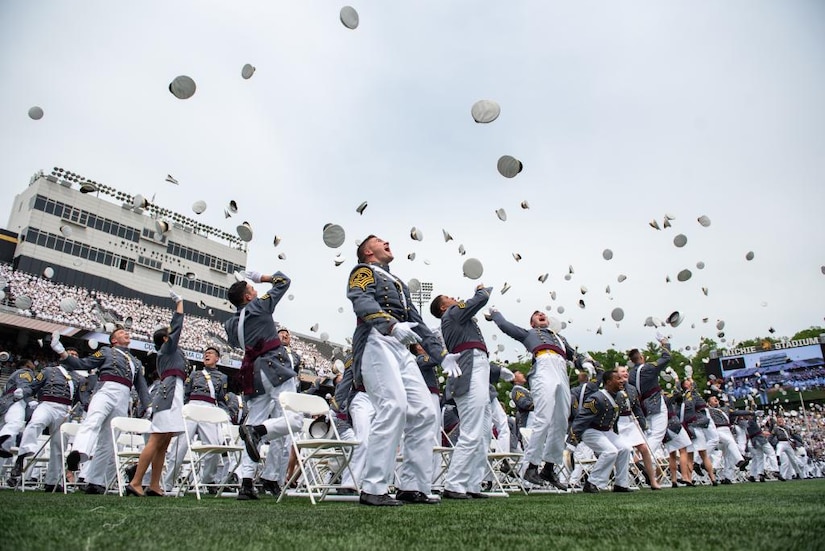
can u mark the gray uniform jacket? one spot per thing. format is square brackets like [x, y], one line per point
[379, 301]
[197, 386]
[461, 336]
[259, 329]
[114, 364]
[536, 339]
[646, 380]
[427, 365]
[22, 379]
[171, 365]
[630, 404]
[54, 386]
[597, 412]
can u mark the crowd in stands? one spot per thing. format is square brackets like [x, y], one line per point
[99, 311]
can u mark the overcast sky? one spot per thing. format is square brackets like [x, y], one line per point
[621, 112]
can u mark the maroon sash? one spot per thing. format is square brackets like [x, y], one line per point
[252, 353]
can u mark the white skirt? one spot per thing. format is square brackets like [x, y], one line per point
[681, 440]
[171, 420]
[629, 431]
[698, 444]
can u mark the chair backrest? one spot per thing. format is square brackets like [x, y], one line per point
[70, 429]
[131, 424]
[308, 404]
[204, 414]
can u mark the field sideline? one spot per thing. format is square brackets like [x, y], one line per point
[773, 515]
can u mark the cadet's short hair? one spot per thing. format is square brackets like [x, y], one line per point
[359, 252]
[633, 353]
[236, 292]
[158, 337]
[215, 350]
[435, 306]
[608, 375]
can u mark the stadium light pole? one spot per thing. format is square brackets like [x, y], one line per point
[422, 295]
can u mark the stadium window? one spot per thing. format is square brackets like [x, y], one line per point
[121, 231]
[41, 239]
[49, 207]
[124, 263]
[76, 249]
[59, 243]
[40, 203]
[110, 259]
[107, 226]
[130, 267]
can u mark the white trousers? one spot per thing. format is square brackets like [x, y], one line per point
[439, 421]
[47, 415]
[361, 414]
[551, 397]
[265, 409]
[469, 461]
[499, 418]
[14, 423]
[761, 458]
[612, 451]
[730, 452]
[94, 437]
[790, 462]
[402, 405]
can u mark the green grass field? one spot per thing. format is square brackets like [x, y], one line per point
[775, 515]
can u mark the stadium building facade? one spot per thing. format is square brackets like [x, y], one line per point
[96, 237]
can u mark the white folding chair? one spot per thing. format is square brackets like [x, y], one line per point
[445, 454]
[39, 460]
[321, 461]
[201, 450]
[505, 468]
[128, 440]
[68, 430]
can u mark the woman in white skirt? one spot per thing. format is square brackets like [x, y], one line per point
[677, 439]
[167, 405]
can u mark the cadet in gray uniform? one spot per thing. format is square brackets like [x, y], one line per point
[359, 412]
[205, 387]
[551, 394]
[266, 370]
[731, 457]
[645, 377]
[167, 405]
[387, 323]
[469, 386]
[785, 446]
[119, 371]
[632, 423]
[521, 396]
[595, 425]
[427, 364]
[56, 389]
[16, 395]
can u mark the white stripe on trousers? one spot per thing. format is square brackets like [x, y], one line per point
[402, 405]
[361, 413]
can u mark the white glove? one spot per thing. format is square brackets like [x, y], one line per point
[33, 404]
[403, 331]
[176, 297]
[252, 275]
[55, 344]
[488, 315]
[18, 394]
[449, 365]
[506, 375]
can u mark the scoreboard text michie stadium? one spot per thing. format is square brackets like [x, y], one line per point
[775, 346]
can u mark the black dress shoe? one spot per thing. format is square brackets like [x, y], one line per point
[95, 489]
[383, 500]
[247, 494]
[622, 489]
[531, 475]
[252, 442]
[130, 491]
[741, 465]
[271, 486]
[73, 460]
[449, 494]
[548, 473]
[590, 488]
[477, 495]
[53, 489]
[726, 481]
[415, 497]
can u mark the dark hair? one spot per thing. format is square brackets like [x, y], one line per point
[208, 348]
[608, 375]
[158, 337]
[435, 306]
[236, 292]
[632, 354]
[363, 245]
